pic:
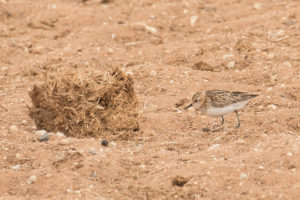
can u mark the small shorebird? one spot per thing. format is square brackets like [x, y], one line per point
[218, 103]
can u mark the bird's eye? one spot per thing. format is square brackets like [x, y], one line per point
[196, 100]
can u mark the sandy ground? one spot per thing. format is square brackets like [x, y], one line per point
[172, 49]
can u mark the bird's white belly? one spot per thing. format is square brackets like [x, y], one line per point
[220, 111]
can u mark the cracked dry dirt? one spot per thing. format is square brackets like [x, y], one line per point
[172, 49]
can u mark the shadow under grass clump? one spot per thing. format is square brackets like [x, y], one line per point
[86, 104]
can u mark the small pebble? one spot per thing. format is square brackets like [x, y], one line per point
[113, 144]
[289, 22]
[289, 154]
[94, 174]
[93, 152]
[44, 137]
[15, 167]
[110, 50]
[243, 176]
[31, 179]
[77, 191]
[193, 20]
[60, 135]
[179, 181]
[272, 106]
[104, 143]
[153, 73]
[13, 129]
[24, 121]
[257, 6]
[40, 132]
[231, 64]
[261, 167]
[48, 175]
[143, 166]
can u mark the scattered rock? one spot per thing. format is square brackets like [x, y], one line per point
[77, 192]
[13, 129]
[113, 144]
[193, 20]
[205, 129]
[214, 146]
[231, 64]
[31, 179]
[153, 73]
[44, 137]
[93, 152]
[104, 143]
[49, 175]
[60, 135]
[289, 154]
[179, 181]
[202, 66]
[257, 6]
[243, 176]
[261, 167]
[142, 26]
[15, 167]
[272, 106]
[289, 22]
[40, 132]
[94, 174]
[110, 50]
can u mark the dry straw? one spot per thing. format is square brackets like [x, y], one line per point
[86, 104]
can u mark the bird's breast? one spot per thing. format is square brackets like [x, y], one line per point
[220, 111]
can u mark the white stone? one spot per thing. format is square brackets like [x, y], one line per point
[193, 20]
[48, 175]
[243, 176]
[15, 167]
[153, 73]
[113, 144]
[60, 135]
[31, 179]
[13, 129]
[289, 154]
[4, 68]
[40, 132]
[215, 146]
[77, 192]
[227, 56]
[110, 50]
[257, 6]
[231, 64]
[271, 55]
[130, 73]
[272, 106]
[143, 166]
[91, 186]
[261, 167]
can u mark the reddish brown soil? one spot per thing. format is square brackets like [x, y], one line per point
[260, 160]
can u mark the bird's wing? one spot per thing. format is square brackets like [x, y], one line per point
[221, 98]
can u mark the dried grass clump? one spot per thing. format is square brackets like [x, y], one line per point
[86, 104]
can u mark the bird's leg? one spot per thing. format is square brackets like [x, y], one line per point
[237, 116]
[222, 120]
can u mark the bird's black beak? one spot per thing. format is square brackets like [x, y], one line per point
[188, 106]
